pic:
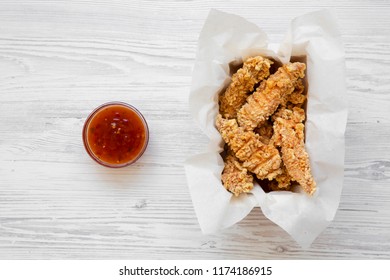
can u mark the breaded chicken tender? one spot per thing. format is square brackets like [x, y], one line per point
[289, 135]
[254, 70]
[262, 160]
[235, 177]
[297, 115]
[269, 95]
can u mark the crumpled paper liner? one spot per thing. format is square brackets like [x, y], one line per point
[226, 38]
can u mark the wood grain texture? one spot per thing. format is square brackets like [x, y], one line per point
[60, 59]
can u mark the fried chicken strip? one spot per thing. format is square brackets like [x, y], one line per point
[254, 70]
[289, 135]
[235, 177]
[282, 182]
[268, 96]
[262, 160]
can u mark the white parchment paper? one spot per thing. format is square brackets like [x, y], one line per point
[226, 38]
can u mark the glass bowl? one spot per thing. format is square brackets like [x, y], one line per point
[115, 134]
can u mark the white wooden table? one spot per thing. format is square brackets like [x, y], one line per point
[61, 59]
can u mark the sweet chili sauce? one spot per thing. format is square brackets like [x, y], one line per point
[115, 134]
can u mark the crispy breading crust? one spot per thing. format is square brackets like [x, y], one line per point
[289, 134]
[268, 96]
[254, 70]
[235, 177]
[265, 131]
[296, 98]
[282, 182]
[296, 114]
[262, 160]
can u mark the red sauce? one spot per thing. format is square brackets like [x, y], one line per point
[116, 135]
